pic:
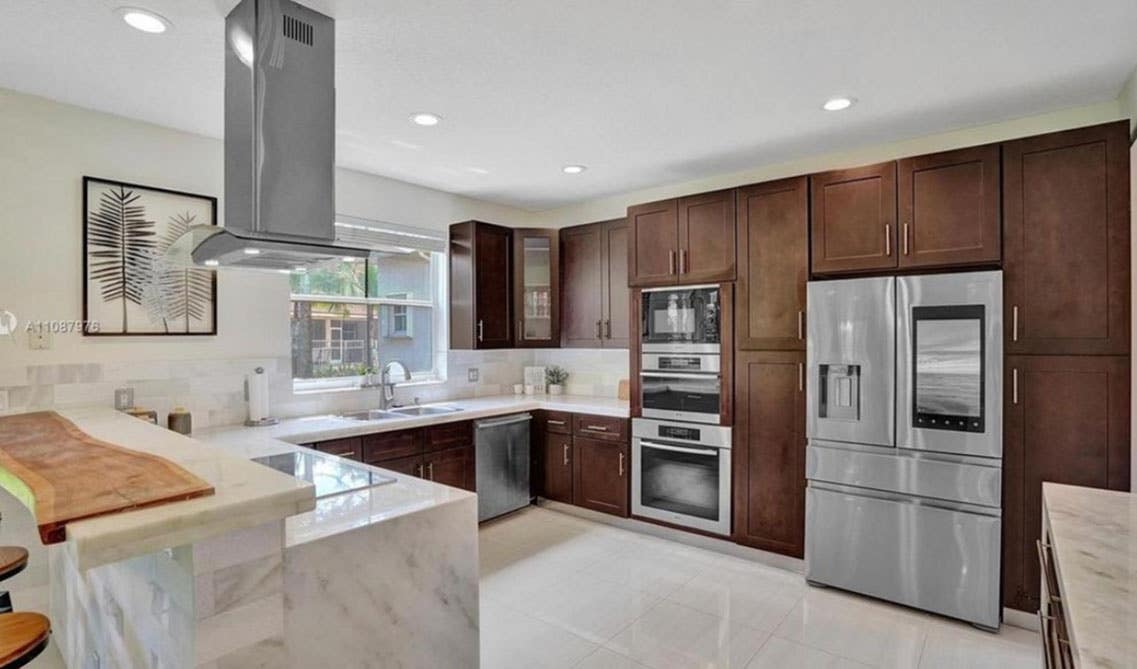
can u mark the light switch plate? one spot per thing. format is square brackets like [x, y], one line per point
[472, 374]
[39, 339]
[3, 400]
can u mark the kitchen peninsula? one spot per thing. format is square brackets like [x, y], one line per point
[243, 576]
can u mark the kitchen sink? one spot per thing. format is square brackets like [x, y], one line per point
[425, 411]
[373, 414]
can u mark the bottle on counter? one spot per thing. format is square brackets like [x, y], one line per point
[179, 420]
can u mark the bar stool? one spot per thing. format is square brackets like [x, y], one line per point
[23, 636]
[13, 560]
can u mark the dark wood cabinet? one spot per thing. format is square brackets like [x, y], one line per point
[452, 466]
[350, 448]
[481, 295]
[1066, 420]
[769, 451]
[556, 456]
[600, 475]
[653, 244]
[707, 237]
[411, 466]
[391, 445]
[607, 428]
[1066, 242]
[853, 220]
[949, 208]
[773, 265]
[595, 298]
[681, 241]
[536, 288]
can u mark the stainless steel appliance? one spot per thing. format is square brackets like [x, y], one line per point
[502, 464]
[279, 144]
[681, 474]
[904, 463]
[681, 319]
[681, 396]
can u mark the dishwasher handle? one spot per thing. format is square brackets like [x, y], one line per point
[509, 420]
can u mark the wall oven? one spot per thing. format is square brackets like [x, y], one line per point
[681, 474]
[680, 318]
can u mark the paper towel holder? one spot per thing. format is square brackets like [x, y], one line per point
[263, 422]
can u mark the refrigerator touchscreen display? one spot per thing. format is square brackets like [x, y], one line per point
[948, 351]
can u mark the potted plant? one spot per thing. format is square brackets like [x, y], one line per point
[555, 377]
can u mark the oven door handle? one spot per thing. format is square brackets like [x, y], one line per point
[681, 375]
[680, 449]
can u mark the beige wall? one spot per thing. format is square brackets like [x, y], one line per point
[616, 205]
[1128, 100]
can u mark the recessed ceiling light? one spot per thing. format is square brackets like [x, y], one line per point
[425, 118]
[144, 20]
[573, 169]
[211, 263]
[250, 251]
[837, 104]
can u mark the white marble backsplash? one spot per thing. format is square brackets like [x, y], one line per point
[213, 390]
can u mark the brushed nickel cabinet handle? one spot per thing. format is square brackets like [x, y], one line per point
[597, 428]
[682, 261]
[566, 455]
[420, 471]
[801, 325]
[430, 470]
[1015, 385]
[800, 377]
[519, 330]
[905, 239]
[555, 422]
[887, 239]
[621, 465]
[600, 329]
[671, 262]
[607, 329]
[1015, 323]
[481, 329]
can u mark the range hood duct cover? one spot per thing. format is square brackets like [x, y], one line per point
[279, 144]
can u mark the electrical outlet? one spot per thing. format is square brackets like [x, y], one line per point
[3, 400]
[39, 339]
[472, 374]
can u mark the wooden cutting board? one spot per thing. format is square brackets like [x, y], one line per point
[63, 474]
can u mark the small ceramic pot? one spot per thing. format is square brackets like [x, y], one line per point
[529, 390]
[518, 388]
[556, 389]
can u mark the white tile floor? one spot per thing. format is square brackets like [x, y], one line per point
[561, 591]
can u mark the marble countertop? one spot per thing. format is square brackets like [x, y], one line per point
[409, 494]
[246, 494]
[1094, 538]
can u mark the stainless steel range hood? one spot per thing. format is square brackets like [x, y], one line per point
[279, 144]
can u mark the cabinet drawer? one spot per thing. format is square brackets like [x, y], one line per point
[411, 466]
[448, 435]
[608, 428]
[349, 448]
[556, 421]
[390, 445]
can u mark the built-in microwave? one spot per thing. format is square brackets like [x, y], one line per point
[681, 396]
[681, 319]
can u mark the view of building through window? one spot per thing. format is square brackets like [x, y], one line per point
[352, 316]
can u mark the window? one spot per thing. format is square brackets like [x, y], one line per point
[349, 317]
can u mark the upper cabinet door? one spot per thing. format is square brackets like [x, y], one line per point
[582, 270]
[854, 219]
[653, 251]
[536, 300]
[1066, 242]
[773, 265]
[616, 296]
[492, 294]
[706, 237]
[949, 208]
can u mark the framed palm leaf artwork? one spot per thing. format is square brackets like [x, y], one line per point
[129, 286]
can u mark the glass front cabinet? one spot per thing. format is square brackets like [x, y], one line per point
[536, 301]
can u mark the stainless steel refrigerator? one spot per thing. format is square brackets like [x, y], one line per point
[904, 463]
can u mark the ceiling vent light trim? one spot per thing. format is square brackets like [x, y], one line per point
[144, 20]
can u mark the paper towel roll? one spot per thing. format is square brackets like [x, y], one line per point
[256, 385]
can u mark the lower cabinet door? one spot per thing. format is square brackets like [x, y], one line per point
[556, 461]
[411, 466]
[452, 467]
[601, 471]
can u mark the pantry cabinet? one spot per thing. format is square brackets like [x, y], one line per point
[1066, 237]
[595, 297]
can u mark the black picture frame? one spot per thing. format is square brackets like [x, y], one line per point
[92, 329]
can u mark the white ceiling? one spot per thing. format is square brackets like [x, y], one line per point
[643, 92]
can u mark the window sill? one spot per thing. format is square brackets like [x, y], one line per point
[318, 389]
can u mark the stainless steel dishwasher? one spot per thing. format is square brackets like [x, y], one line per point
[502, 452]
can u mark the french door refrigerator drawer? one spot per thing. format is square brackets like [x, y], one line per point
[953, 478]
[931, 558]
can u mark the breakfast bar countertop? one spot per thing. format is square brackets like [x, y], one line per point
[1093, 534]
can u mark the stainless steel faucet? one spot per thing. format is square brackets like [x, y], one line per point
[388, 385]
